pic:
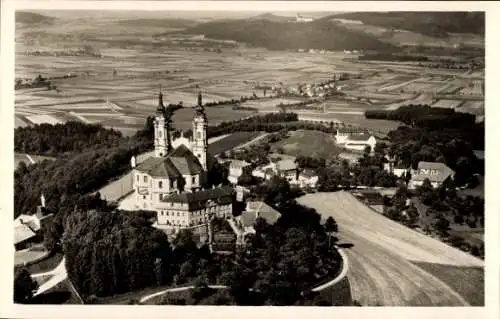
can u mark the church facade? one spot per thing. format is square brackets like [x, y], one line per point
[173, 181]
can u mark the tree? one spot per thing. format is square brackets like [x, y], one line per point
[331, 225]
[442, 225]
[24, 286]
[413, 215]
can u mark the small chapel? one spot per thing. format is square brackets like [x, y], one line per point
[173, 181]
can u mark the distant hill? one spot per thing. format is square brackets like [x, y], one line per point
[427, 23]
[271, 17]
[273, 35]
[166, 23]
[26, 17]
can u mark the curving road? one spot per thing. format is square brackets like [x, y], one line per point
[381, 271]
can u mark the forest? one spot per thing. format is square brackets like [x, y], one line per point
[289, 35]
[109, 253]
[425, 116]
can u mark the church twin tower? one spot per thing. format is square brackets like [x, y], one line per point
[163, 136]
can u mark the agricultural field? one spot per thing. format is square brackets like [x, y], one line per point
[450, 104]
[120, 87]
[308, 143]
[385, 257]
[231, 141]
[474, 87]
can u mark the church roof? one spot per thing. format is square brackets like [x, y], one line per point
[179, 161]
[185, 161]
[159, 167]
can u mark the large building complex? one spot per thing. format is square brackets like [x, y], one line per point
[173, 182]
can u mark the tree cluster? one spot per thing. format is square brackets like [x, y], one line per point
[109, 253]
[425, 116]
[60, 139]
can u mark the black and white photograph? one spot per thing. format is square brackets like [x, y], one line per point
[248, 158]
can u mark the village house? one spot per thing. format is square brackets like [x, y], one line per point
[436, 173]
[236, 169]
[286, 168]
[255, 209]
[307, 178]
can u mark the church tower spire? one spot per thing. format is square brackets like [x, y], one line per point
[162, 138]
[200, 144]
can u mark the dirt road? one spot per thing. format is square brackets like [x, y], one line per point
[381, 271]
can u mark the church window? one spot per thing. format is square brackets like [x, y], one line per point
[161, 196]
[167, 212]
[178, 214]
[145, 179]
[194, 180]
[137, 177]
[144, 197]
[199, 135]
[160, 184]
[159, 133]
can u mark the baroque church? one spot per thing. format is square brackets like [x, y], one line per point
[173, 181]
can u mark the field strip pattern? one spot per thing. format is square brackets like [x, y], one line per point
[381, 268]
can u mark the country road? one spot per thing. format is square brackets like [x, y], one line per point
[381, 268]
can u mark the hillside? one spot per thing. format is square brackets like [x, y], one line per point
[166, 23]
[427, 23]
[271, 17]
[289, 35]
[27, 18]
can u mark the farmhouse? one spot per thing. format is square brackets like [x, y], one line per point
[173, 181]
[437, 173]
[355, 139]
[343, 134]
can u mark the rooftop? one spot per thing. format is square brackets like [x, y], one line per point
[441, 172]
[22, 233]
[359, 137]
[221, 195]
[179, 161]
[286, 165]
[255, 209]
[308, 173]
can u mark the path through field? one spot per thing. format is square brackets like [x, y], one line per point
[381, 262]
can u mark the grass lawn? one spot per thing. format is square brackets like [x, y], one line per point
[183, 118]
[231, 141]
[45, 265]
[467, 281]
[339, 294]
[309, 143]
